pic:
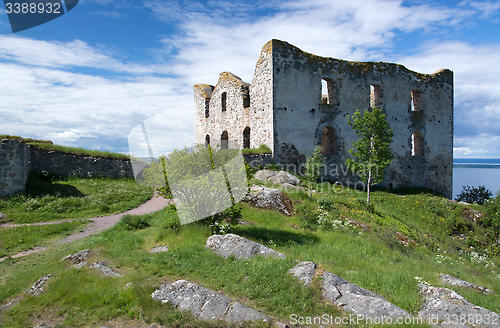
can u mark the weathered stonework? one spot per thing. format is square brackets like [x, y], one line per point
[289, 113]
[17, 159]
[14, 167]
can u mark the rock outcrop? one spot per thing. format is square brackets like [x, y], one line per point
[450, 280]
[39, 286]
[242, 248]
[358, 300]
[263, 175]
[205, 303]
[159, 249]
[445, 308]
[105, 270]
[79, 259]
[304, 271]
[284, 177]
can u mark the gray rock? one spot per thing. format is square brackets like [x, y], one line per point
[242, 248]
[103, 267]
[358, 300]
[39, 286]
[42, 325]
[304, 271]
[263, 175]
[284, 177]
[205, 303]
[290, 187]
[79, 259]
[2, 216]
[159, 249]
[444, 303]
[462, 283]
[271, 199]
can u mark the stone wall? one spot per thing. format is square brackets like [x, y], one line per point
[415, 105]
[18, 159]
[67, 164]
[14, 167]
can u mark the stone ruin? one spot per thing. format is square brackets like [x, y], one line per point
[298, 101]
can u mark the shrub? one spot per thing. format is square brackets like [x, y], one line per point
[313, 165]
[133, 222]
[457, 225]
[474, 195]
[326, 203]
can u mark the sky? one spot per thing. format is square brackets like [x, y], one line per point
[90, 77]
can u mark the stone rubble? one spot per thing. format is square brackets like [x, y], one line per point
[450, 280]
[304, 271]
[79, 259]
[107, 271]
[242, 248]
[39, 286]
[205, 303]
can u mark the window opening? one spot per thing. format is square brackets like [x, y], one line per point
[417, 141]
[246, 138]
[327, 140]
[416, 102]
[375, 96]
[207, 140]
[224, 143]
[224, 96]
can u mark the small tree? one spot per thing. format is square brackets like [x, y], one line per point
[474, 195]
[313, 165]
[493, 215]
[372, 150]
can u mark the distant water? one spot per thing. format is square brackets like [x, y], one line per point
[476, 176]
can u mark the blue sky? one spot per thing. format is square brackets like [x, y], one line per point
[89, 77]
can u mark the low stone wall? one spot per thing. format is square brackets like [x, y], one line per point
[14, 167]
[67, 164]
[17, 159]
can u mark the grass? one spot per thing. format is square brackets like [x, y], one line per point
[80, 151]
[373, 259]
[49, 198]
[263, 149]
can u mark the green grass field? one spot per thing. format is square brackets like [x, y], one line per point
[319, 232]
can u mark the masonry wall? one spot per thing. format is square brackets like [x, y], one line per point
[67, 164]
[14, 167]
[300, 115]
[18, 159]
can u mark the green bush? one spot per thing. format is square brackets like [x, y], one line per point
[457, 225]
[474, 195]
[133, 222]
[326, 203]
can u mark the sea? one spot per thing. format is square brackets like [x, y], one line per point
[476, 172]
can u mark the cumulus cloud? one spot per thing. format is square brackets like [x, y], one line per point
[43, 97]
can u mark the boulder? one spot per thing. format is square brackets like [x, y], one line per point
[271, 199]
[242, 248]
[159, 249]
[39, 286]
[441, 306]
[263, 175]
[2, 216]
[290, 187]
[450, 280]
[284, 177]
[304, 271]
[103, 267]
[79, 259]
[205, 303]
[358, 300]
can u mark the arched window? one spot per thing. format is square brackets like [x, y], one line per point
[416, 103]
[224, 142]
[417, 144]
[246, 138]
[224, 100]
[207, 140]
[375, 96]
[328, 140]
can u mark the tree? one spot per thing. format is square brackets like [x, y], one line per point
[474, 195]
[372, 150]
[313, 165]
[493, 215]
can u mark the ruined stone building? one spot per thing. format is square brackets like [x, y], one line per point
[284, 108]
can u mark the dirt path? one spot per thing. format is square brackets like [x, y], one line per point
[97, 224]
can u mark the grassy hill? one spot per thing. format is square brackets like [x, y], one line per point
[331, 227]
